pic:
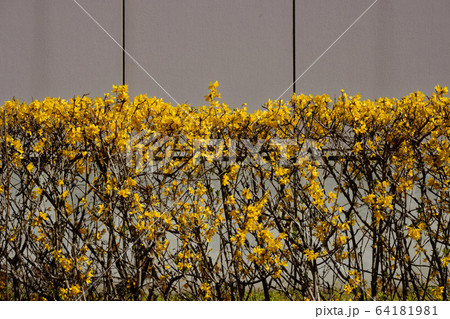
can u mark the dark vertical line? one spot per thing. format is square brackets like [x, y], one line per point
[293, 47]
[123, 42]
[7, 186]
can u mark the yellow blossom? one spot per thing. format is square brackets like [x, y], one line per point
[247, 194]
[413, 233]
[43, 216]
[124, 192]
[311, 255]
[30, 167]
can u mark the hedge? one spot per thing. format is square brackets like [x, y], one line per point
[314, 198]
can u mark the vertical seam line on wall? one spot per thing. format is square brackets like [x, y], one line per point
[293, 47]
[123, 42]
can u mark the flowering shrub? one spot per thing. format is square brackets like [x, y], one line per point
[312, 198]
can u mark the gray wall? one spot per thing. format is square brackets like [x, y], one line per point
[53, 48]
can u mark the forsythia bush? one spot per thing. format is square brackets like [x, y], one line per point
[313, 198]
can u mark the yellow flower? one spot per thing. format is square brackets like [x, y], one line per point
[75, 290]
[18, 146]
[437, 292]
[414, 233]
[441, 90]
[284, 180]
[357, 147]
[207, 290]
[341, 240]
[30, 167]
[230, 200]
[445, 261]
[332, 197]
[213, 93]
[378, 215]
[39, 146]
[89, 276]
[124, 192]
[362, 129]
[348, 289]
[92, 130]
[247, 194]
[131, 182]
[225, 180]
[311, 255]
[43, 216]
[214, 85]
[281, 171]
[369, 199]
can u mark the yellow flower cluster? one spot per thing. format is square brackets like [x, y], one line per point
[209, 201]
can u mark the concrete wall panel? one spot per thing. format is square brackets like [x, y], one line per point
[52, 48]
[245, 45]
